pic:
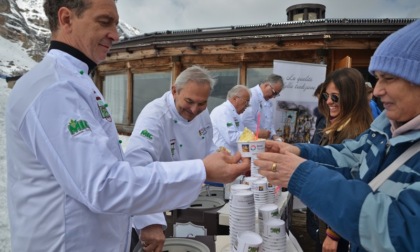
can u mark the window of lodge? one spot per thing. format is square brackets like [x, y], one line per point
[255, 76]
[115, 94]
[225, 80]
[147, 87]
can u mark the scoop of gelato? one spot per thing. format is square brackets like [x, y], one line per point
[247, 135]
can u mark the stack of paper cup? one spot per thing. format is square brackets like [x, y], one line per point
[228, 185]
[260, 190]
[249, 241]
[251, 149]
[274, 236]
[265, 213]
[241, 215]
[238, 187]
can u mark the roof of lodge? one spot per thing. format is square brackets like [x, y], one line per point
[291, 30]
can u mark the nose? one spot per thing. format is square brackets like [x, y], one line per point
[329, 101]
[113, 34]
[194, 109]
[379, 89]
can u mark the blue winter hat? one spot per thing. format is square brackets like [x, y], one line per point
[399, 54]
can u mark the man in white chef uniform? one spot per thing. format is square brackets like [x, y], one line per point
[261, 106]
[174, 127]
[227, 124]
[69, 188]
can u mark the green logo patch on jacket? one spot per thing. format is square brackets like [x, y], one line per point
[146, 134]
[229, 124]
[76, 127]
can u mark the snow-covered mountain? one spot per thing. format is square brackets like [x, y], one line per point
[24, 35]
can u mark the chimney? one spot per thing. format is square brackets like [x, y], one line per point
[300, 12]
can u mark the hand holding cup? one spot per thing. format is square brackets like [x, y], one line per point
[278, 167]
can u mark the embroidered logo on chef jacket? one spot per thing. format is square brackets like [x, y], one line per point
[236, 121]
[202, 132]
[172, 142]
[76, 127]
[146, 134]
[102, 108]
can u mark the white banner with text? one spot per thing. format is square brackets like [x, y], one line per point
[294, 118]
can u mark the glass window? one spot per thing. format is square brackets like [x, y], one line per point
[255, 76]
[225, 80]
[147, 87]
[115, 94]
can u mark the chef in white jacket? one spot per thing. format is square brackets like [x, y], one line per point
[227, 124]
[261, 106]
[174, 127]
[69, 188]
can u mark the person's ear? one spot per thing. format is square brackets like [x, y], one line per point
[65, 18]
[173, 90]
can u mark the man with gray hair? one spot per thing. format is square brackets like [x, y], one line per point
[174, 127]
[227, 125]
[261, 107]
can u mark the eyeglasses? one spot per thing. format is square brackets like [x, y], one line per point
[275, 94]
[246, 101]
[334, 98]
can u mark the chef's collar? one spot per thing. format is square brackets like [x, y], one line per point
[73, 52]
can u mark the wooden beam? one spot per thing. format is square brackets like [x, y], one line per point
[129, 105]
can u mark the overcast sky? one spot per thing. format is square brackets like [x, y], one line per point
[160, 15]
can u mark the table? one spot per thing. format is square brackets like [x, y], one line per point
[223, 243]
[285, 198]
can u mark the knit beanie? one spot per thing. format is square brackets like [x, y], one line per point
[399, 54]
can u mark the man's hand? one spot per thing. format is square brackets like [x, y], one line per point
[224, 168]
[152, 238]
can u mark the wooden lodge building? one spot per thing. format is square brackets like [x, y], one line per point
[140, 69]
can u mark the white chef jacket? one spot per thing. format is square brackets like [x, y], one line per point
[227, 126]
[162, 134]
[69, 188]
[257, 104]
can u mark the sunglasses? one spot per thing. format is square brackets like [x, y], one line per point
[334, 98]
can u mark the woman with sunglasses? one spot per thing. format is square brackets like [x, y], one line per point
[367, 188]
[343, 103]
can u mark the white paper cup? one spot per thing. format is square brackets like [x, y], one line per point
[274, 228]
[250, 180]
[259, 185]
[243, 198]
[268, 211]
[251, 148]
[238, 187]
[249, 241]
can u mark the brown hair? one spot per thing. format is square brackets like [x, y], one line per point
[354, 107]
[51, 8]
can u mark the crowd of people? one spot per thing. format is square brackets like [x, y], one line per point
[71, 187]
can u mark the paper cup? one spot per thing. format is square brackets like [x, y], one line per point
[268, 211]
[274, 228]
[251, 148]
[249, 241]
[250, 180]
